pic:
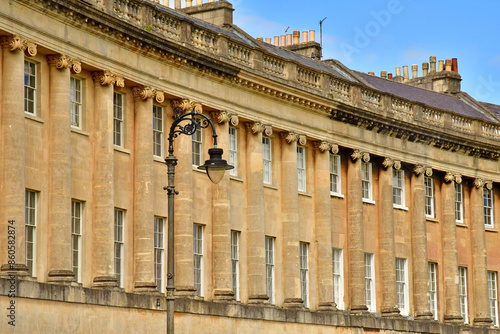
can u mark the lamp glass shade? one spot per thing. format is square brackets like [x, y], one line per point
[215, 166]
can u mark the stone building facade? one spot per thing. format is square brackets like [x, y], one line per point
[358, 204]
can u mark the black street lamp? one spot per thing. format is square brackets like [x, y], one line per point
[215, 168]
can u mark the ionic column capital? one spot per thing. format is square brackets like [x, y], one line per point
[420, 169]
[147, 92]
[181, 106]
[326, 146]
[478, 183]
[357, 154]
[290, 137]
[224, 116]
[104, 77]
[17, 43]
[60, 61]
[449, 177]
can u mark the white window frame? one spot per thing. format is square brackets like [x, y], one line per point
[462, 289]
[304, 272]
[270, 274]
[402, 286]
[76, 98]
[493, 296]
[159, 253]
[267, 160]
[76, 238]
[488, 208]
[335, 175]
[30, 87]
[459, 203]
[429, 196]
[398, 189]
[158, 120]
[433, 290]
[119, 228]
[371, 296]
[31, 205]
[233, 150]
[338, 277]
[301, 169]
[198, 258]
[366, 182]
[235, 263]
[197, 146]
[118, 118]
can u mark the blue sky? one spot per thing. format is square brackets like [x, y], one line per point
[375, 35]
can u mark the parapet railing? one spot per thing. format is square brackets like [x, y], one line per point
[152, 16]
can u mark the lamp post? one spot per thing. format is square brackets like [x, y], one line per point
[187, 124]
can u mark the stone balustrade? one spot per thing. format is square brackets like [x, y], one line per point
[155, 20]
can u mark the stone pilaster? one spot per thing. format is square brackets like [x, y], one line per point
[482, 315]
[59, 211]
[183, 227]
[256, 267]
[144, 279]
[290, 221]
[387, 245]
[12, 132]
[355, 232]
[221, 220]
[450, 257]
[103, 272]
[420, 260]
[323, 231]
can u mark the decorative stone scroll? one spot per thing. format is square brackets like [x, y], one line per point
[105, 77]
[357, 154]
[458, 178]
[322, 146]
[187, 105]
[488, 185]
[302, 139]
[17, 43]
[420, 169]
[148, 93]
[61, 61]
[225, 116]
[334, 149]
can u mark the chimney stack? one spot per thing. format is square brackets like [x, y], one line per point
[440, 66]
[389, 76]
[189, 3]
[405, 73]
[383, 74]
[312, 35]
[398, 71]
[268, 40]
[296, 37]
[448, 65]
[305, 37]
[288, 39]
[414, 71]
[433, 64]
[283, 40]
[425, 69]
[276, 41]
[454, 65]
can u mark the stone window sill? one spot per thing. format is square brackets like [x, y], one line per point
[302, 193]
[235, 178]
[34, 118]
[79, 131]
[121, 149]
[400, 207]
[368, 201]
[491, 229]
[337, 195]
[270, 186]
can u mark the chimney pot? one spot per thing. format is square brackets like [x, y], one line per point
[288, 39]
[454, 65]
[448, 65]
[296, 37]
[414, 71]
[440, 66]
[389, 76]
[305, 37]
[383, 74]
[432, 60]
[276, 41]
[268, 40]
[406, 76]
[260, 39]
[425, 69]
[189, 3]
[312, 35]
[398, 71]
[283, 40]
